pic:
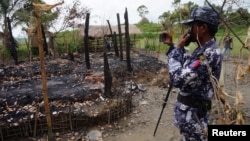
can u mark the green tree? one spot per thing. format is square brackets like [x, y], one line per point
[181, 12]
[67, 15]
[143, 11]
[176, 3]
[164, 16]
[7, 8]
[242, 14]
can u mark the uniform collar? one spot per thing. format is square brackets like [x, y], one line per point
[208, 43]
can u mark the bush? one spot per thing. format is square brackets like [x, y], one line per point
[144, 21]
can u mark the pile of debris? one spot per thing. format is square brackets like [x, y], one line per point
[76, 94]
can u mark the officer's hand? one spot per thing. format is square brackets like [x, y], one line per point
[167, 39]
[182, 41]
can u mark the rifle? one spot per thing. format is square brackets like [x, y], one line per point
[163, 106]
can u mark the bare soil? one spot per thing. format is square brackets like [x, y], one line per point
[140, 125]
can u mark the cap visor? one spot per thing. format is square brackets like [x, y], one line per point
[187, 21]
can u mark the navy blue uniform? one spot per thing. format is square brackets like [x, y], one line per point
[190, 73]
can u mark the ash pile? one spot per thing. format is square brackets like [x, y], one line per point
[76, 94]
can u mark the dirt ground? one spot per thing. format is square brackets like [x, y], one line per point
[141, 123]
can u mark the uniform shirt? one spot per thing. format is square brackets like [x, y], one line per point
[190, 73]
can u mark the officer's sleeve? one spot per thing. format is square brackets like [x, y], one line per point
[181, 75]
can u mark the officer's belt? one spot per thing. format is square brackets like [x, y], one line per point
[195, 102]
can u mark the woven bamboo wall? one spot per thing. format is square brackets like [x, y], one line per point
[66, 121]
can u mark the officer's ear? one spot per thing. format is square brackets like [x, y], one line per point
[203, 27]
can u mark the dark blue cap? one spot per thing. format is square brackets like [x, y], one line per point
[205, 14]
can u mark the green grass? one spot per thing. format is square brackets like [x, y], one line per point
[150, 27]
[150, 38]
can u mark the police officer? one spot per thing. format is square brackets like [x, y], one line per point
[196, 73]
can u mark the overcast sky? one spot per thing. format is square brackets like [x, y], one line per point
[103, 10]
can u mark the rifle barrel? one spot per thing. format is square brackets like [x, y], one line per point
[163, 106]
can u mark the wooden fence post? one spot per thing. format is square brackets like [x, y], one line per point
[43, 71]
[127, 41]
[86, 41]
[120, 36]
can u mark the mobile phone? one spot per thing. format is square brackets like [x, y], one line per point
[162, 37]
[189, 39]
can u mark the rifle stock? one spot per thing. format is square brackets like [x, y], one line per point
[163, 107]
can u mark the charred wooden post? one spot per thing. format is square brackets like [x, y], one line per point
[107, 77]
[105, 42]
[86, 41]
[1, 133]
[127, 41]
[13, 44]
[43, 72]
[120, 36]
[110, 29]
[51, 45]
[115, 44]
[45, 45]
[112, 36]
